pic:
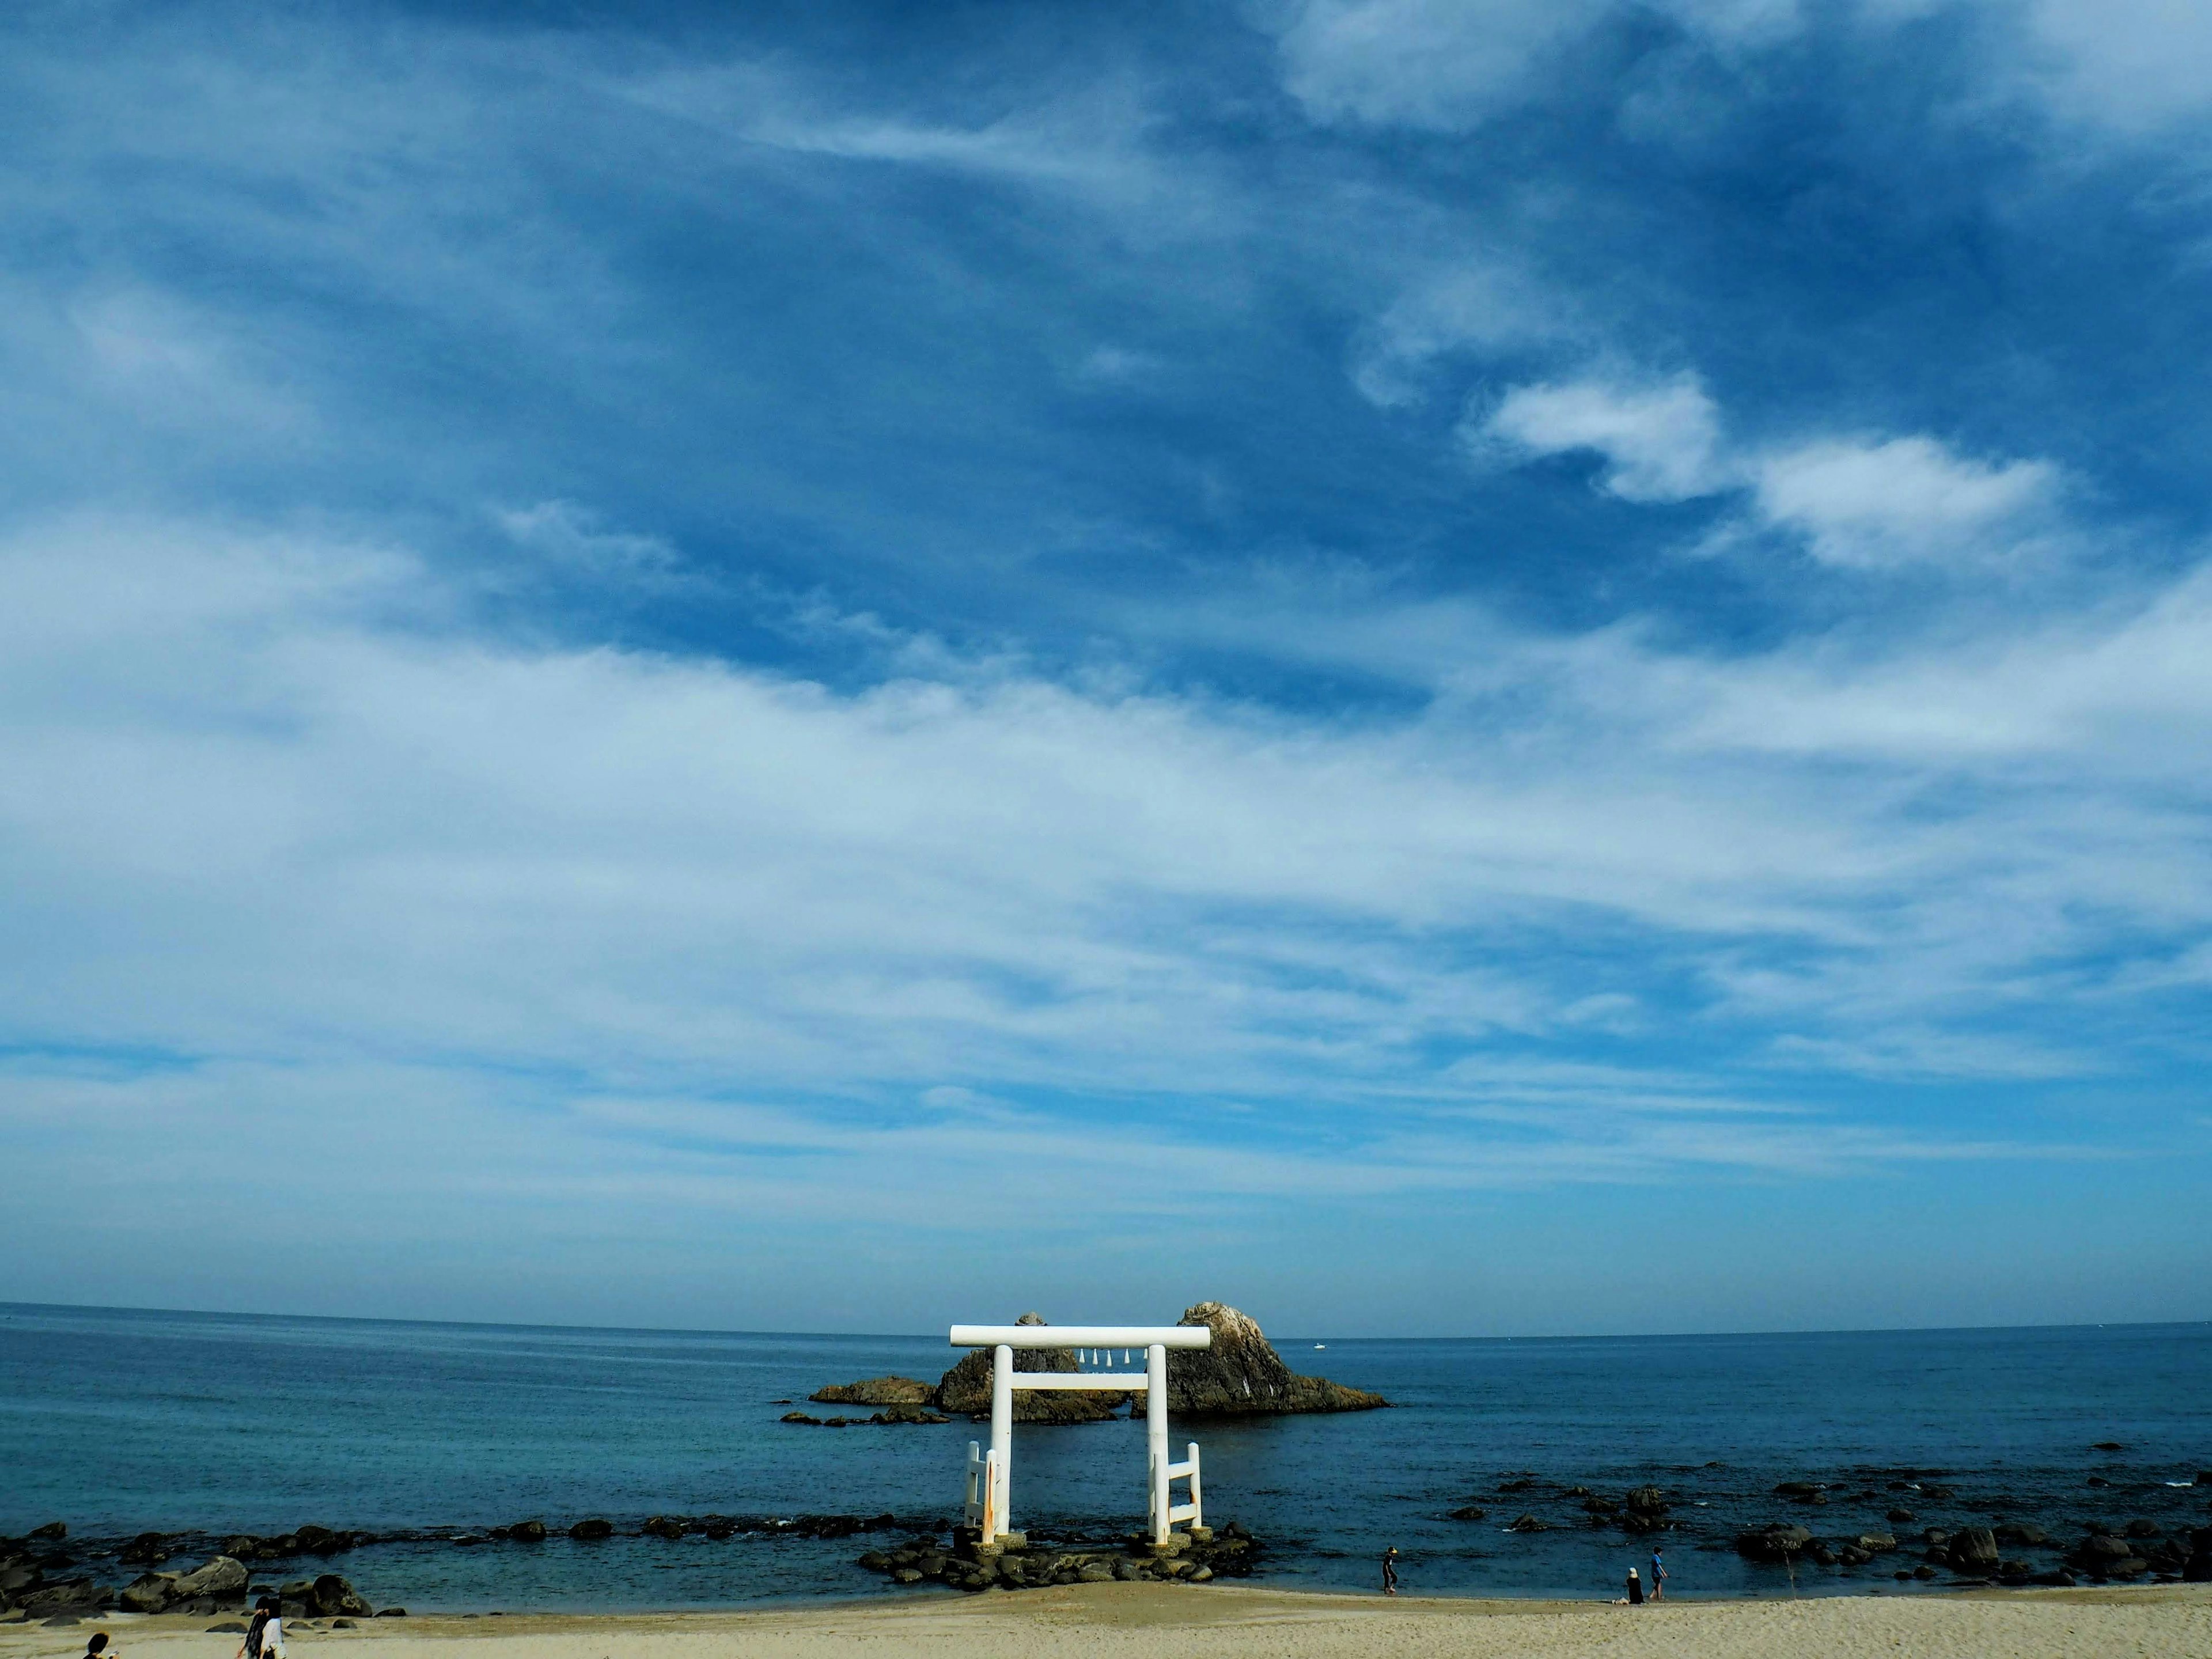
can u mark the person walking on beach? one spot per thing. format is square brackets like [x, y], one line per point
[1658, 1577]
[265, 1637]
[1390, 1570]
[1634, 1590]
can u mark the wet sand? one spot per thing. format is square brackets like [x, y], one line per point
[1163, 1622]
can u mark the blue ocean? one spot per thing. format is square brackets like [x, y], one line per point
[119, 1422]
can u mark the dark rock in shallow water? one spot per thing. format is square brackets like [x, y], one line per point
[1470, 1512]
[1776, 1542]
[1900, 1517]
[1529, 1524]
[2145, 1530]
[148, 1549]
[2021, 1532]
[592, 1530]
[527, 1532]
[53, 1533]
[1241, 1375]
[661, 1525]
[967, 1387]
[909, 1414]
[879, 1391]
[1972, 1550]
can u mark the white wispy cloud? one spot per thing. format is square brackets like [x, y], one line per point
[1855, 503]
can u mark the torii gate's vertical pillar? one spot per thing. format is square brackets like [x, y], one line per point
[1155, 1436]
[1002, 1439]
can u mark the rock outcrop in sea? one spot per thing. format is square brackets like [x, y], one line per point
[877, 1391]
[1243, 1375]
[967, 1387]
[1240, 1375]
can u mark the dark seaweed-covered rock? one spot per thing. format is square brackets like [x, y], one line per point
[1469, 1512]
[879, 1391]
[1241, 1375]
[592, 1530]
[1529, 1524]
[967, 1387]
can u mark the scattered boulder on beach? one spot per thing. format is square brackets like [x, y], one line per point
[70, 1596]
[221, 1581]
[878, 1391]
[150, 1593]
[332, 1596]
[1241, 1375]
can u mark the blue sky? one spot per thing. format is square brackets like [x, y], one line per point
[1438, 669]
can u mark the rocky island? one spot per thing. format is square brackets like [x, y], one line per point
[1240, 1375]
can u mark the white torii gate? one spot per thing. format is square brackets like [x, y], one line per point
[990, 1483]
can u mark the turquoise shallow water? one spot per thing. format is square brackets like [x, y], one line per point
[119, 1422]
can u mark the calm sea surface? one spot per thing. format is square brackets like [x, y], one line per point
[119, 1422]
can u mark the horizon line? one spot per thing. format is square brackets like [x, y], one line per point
[918, 1336]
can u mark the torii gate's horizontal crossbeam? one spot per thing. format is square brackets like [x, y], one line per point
[1096, 1382]
[1082, 1336]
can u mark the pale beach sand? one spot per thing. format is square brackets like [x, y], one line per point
[1159, 1621]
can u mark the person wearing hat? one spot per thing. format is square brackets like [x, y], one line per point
[1634, 1590]
[1390, 1570]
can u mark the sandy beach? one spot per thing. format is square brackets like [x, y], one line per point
[1145, 1621]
